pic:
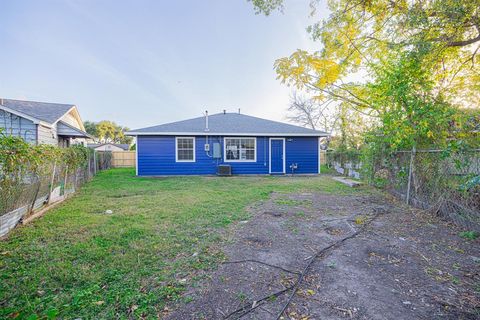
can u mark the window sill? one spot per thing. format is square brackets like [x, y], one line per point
[227, 161]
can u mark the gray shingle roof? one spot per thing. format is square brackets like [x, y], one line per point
[48, 112]
[228, 124]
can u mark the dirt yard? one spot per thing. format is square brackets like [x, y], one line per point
[387, 261]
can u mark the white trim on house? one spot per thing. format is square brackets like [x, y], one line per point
[248, 135]
[76, 115]
[176, 149]
[136, 155]
[225, 149]
[270, 155]
[319, 156]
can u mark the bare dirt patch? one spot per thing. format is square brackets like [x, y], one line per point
[400, 264]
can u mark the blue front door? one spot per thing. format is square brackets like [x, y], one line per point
[276, 153]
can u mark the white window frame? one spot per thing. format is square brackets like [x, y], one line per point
[319, 156]
[176, 149]
[270, 155]
[239, 160]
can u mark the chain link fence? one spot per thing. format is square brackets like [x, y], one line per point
[30, 192]
[446, 183]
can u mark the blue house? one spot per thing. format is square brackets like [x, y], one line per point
[227, 143]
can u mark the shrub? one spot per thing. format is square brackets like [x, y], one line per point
[23, 164]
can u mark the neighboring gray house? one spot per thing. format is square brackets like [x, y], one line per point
[42, 123]
[109, 146]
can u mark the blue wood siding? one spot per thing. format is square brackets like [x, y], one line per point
[156, 156]
[304, 152]
[17, 126]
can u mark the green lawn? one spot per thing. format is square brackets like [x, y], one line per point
[77, 261]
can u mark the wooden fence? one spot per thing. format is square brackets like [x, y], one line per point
[123, 159]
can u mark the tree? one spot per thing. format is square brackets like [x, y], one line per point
[417, 59]
[345, 124]
[91, 128]
[311, 113]
[266, 6]
[412, 112]
[108, 131]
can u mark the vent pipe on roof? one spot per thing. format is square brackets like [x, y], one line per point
[206, 121]
[224, 111]
[1, 101]
[238, 110]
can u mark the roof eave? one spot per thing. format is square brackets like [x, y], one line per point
[251, 134]
[26, 116]
[82, 134]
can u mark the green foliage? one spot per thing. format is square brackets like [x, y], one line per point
[108, 131]
[418, 61]
[21, 162]
[18, 156]
[411, 114]
[360, 35]
[76, 156]
[326, 169]
[471, 184]
[91, 128]
[266, 6]
[14, 154]
[470, 235]
[343, 156]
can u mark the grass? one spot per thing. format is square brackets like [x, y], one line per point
[324, 169]
[294, 202]
[470, 235]
[79, 262]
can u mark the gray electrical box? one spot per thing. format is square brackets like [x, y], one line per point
[217, 151]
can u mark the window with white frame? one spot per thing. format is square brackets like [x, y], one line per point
[240, 149]
[185, 149]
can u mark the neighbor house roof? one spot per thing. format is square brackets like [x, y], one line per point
[64, 129]
[43, 111]
[124, 146]
[228, 124]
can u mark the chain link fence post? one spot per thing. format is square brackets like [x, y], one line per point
[410, 174]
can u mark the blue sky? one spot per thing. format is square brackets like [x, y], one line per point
[142, 63]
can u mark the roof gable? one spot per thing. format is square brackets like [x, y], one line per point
[124, 146]
[227, 124]
[43, 111]
[65, 129]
